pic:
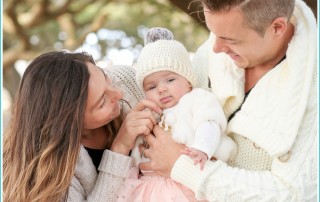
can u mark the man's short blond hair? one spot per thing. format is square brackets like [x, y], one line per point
[258, 14]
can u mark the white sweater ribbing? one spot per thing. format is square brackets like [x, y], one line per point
[279, 115]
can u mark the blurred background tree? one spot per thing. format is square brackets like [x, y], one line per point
[110, 30]
[31, 27]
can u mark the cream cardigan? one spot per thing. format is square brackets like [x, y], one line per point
[279, 115]
[87, 184]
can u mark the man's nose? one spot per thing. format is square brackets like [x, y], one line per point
[220, 46]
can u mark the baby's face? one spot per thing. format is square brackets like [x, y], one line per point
[165, 88]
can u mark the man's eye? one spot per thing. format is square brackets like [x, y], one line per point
[233, 42]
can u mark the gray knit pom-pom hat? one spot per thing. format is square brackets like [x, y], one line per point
[162, 53]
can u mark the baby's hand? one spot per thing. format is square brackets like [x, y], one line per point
[198, 156]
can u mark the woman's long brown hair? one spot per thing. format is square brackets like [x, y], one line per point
[42, 141]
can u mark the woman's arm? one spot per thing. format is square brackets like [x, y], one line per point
[115, 163]
[112, 172]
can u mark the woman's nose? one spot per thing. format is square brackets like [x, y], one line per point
[116, 93]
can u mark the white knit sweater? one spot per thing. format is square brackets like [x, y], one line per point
[87, 184]
[279, 116]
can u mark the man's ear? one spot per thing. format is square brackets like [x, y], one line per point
[279, 25]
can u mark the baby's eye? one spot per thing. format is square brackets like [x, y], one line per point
[151, 87]
[170, 80]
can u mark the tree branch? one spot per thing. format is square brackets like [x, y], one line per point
[12, 55]
[95, 26]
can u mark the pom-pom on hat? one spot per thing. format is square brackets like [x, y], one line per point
[157, 33]
[162, 53]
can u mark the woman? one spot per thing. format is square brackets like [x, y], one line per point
[66, 107]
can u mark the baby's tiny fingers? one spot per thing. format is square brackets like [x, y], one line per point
[202, 165]
[185, 152]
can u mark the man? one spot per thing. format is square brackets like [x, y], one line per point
[261, 59]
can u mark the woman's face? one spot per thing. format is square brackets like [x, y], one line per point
[103, 99]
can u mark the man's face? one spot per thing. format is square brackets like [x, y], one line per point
[244, 45]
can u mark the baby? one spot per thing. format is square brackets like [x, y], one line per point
[192, 116]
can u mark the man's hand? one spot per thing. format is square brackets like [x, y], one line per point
[163, 152]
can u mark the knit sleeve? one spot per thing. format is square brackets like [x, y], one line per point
[219, 182]
[112, 172]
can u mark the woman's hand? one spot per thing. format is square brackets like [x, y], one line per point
[163, 152]
[137, 122]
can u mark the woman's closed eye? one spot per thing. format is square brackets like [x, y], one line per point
[103, 101]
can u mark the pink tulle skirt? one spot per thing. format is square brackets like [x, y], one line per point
[151, 187]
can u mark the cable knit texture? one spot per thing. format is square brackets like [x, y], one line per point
[200, 65]
[87, 184]
[224, 74]
[123, 77]
[279, 116]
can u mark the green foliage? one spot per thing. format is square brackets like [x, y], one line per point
[31, 27]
